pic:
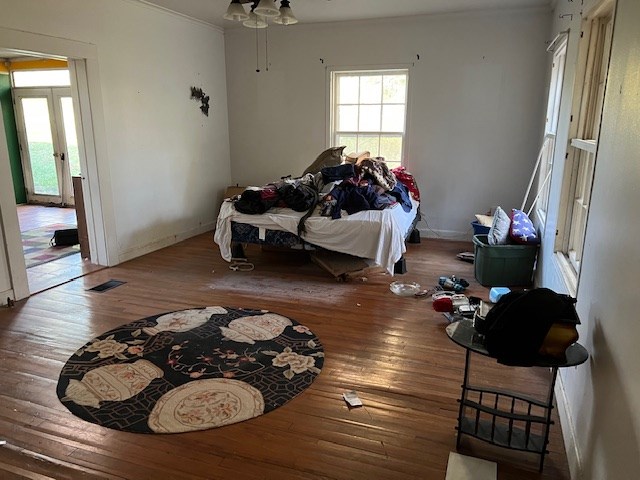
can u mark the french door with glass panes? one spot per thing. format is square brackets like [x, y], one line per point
[48, 143]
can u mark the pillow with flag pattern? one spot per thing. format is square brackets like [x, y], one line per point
[522, 229]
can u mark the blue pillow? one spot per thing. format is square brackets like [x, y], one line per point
[522, 229]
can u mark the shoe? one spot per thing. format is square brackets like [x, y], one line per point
[466, 256]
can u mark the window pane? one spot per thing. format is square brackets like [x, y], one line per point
[371, 89]
[348, 118]
[391, 149]
[369, 118]
[41, 78]
[68, 119]
[369, 143]
[370, 107]
[395, 89]
[393, 118]
[40, 146]
[348, 88]
[351, 141]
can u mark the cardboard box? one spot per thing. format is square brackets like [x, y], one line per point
[232, 191]
[355, 157]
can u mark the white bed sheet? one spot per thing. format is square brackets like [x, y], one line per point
[377, 235]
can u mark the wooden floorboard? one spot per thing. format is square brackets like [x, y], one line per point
[47, 275]
[392, 350]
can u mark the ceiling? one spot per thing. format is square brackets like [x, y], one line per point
[313, 11]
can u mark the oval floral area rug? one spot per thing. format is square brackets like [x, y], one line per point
[190, 370]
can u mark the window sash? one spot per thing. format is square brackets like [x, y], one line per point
[551, 128]
[585, 158]
[544, 180]
[368, 136]
[579, 168]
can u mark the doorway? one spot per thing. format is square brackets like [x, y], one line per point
[49, 145]
[49, 156]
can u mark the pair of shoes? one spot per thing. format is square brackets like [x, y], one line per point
[453, 283]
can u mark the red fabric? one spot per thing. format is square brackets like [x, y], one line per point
[444, 304]
[407, 179]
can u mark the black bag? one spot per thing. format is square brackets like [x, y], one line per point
[65, 238]
[252, 202]
[515, 328]
[299, 196]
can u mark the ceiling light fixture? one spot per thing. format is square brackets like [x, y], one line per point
[261, 11]
[236, 12]
[255, 21]
[286, 16]
[267, 8]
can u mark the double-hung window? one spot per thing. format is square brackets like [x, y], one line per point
[368, 112]
[593, 62]
[559, 49]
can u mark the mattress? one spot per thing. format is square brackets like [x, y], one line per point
[377, 235]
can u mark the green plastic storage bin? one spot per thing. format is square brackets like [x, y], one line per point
[503, 265]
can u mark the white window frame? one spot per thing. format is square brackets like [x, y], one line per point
[586, 114]
[334, 72]
[559, 49]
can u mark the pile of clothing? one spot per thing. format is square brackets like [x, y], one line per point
[368, 184]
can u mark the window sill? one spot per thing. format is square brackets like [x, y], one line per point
[567, 273]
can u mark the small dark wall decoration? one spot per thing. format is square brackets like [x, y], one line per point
[198, 94]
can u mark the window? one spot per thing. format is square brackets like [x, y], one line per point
[41, 78]
[559, 49]
[368, 112]
[593, 62]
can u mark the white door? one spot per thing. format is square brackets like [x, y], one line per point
[48, 143]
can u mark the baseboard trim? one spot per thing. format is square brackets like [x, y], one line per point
[568, 431]
[444, 234]
[136, 252]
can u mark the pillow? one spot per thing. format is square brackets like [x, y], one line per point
[484, 220]
[522, 229]
[329, 158]
[499, 231]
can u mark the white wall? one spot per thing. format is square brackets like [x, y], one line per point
[476, 102]
[6, 289]
[601, 399]
[164, 163]
[13, 275]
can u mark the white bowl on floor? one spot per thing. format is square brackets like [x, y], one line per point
[404, 289]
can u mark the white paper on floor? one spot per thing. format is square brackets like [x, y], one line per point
[463, 467]
[352, 399]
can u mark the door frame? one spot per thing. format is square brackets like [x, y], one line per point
[58, 138]
[86, 92]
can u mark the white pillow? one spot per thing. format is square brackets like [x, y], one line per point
[499, 231]
[484, 220]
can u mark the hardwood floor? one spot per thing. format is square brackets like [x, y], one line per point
[36, 216]
[392, 350]
[48, 275]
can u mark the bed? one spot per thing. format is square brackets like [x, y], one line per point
[375, 235]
